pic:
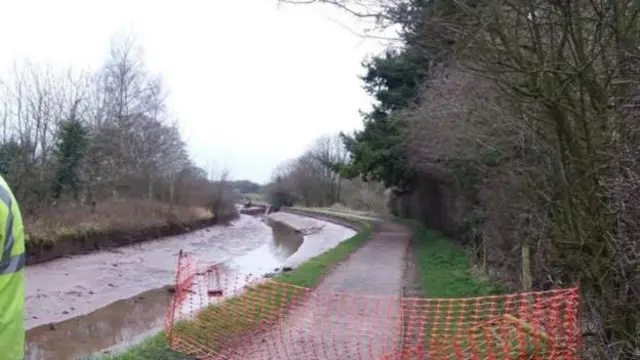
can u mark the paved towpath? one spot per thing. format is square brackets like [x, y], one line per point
[353, 314]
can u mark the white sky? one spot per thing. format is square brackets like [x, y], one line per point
[251, 84]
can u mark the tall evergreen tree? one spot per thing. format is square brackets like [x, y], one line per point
[393, 79]
[70, 150]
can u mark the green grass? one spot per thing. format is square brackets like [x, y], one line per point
[444, 270]
[155, 348]
[444, 267]
[255, 308]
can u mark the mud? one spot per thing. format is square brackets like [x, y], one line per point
[246, 270]
[273, 255]
[248, 245]
[122, 321]
[254, 210]
[326, 235]
[68, 287]
[42, 250]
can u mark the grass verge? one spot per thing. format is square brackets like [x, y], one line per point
[256, 308]
[444, 267]
[473, 327]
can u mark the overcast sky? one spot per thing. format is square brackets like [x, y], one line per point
[251, 84]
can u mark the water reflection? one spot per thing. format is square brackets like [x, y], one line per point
[271, 255]
[83, 335]
[286, 240]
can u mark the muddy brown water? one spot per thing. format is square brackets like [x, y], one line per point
[124, 322]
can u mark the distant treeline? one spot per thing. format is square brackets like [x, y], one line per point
[246, 186]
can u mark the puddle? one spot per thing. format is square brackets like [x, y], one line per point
[126, 322]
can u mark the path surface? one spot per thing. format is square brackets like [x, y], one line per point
[353, 314]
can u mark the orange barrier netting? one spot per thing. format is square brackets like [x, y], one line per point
[220, 314]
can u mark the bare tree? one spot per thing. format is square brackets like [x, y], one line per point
[134, 149]
[314, 179]
[327, 156]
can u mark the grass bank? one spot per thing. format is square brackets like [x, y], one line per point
[257, 307]
[471, 328]
[444, 268]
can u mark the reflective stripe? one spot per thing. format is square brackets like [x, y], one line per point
[8, 239]
[5, 197]
[13, 264]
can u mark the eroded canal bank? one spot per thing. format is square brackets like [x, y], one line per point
[91, 315]
[68, 291]
[68, 287]
[125, 321]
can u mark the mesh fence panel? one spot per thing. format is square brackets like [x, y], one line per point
[221, 314]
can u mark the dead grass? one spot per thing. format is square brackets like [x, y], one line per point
[126, 214]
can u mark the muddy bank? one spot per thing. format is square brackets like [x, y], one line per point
[42, 250]
[254, 210]
[128, 321]
[122, 321]
[91, 315]
[64, 288]
[318, 235]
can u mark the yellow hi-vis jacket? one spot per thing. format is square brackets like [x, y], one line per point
[12, 261]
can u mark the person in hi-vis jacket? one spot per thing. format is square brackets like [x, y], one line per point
[12, 261]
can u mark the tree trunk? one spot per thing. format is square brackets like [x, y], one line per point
[150, 190]
[172, 182]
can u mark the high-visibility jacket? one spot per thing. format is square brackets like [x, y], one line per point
[12, 261]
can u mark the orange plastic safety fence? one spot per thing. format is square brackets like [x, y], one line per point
[220, 314]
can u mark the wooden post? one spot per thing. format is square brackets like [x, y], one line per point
[527, 282]
[485, 256]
